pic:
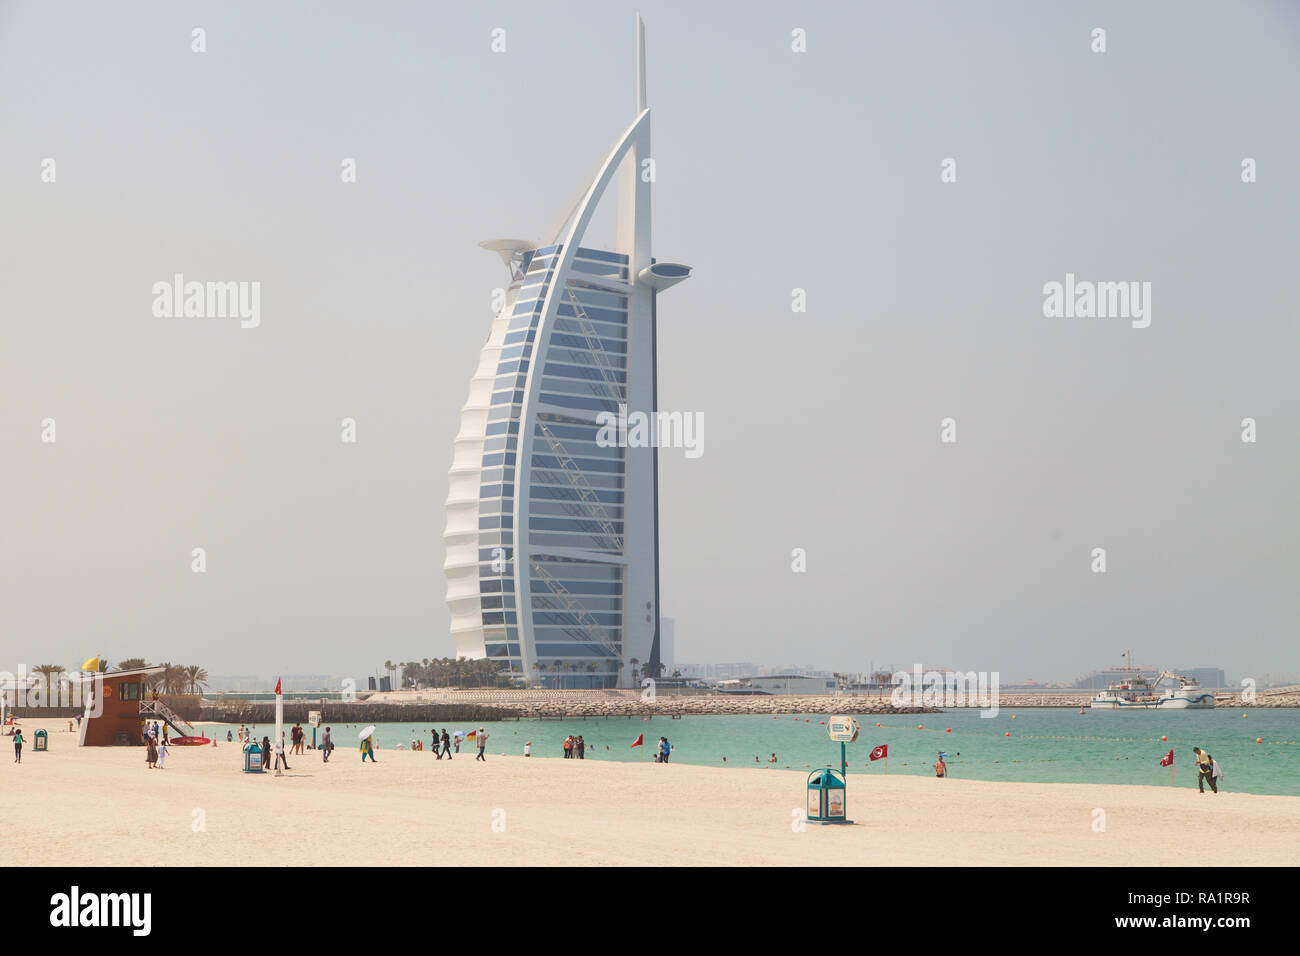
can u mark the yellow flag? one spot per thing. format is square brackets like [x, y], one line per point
[90, 664]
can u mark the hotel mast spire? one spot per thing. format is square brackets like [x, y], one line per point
[640, 66]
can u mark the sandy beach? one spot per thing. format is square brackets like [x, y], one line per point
[101, 806]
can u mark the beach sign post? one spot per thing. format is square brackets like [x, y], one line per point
[828, 788]
[845, 730]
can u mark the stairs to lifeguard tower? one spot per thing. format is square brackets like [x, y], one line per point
[160, 709]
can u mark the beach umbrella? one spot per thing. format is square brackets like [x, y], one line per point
[366, 732]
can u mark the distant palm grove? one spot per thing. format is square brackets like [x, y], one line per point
[175, 678]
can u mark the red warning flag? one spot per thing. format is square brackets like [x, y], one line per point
[277, 685]
[881, 751]
[1167, 759]
[639, 742]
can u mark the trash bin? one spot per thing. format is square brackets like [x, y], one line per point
[826, 797]
[41, 741]
[253, 758]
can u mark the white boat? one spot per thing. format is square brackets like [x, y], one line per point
[1134, 691]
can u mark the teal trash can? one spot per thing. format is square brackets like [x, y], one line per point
[41, 741]
[253, 758]
[827, 797]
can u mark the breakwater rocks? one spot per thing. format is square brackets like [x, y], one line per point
[364, 712]
[468, 706]
[630, 703]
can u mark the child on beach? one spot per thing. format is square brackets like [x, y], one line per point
[162, 753]
[528, 749]
[18, 746]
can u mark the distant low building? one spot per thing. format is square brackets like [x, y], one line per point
[779, 684]
[1212, 677]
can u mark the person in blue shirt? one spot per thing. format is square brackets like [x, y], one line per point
[664, 749]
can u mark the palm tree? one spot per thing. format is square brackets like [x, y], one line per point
[636, 674]
[130, 664]
[195, 678]
[48, 671]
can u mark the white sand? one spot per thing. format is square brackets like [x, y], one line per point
[100, 806]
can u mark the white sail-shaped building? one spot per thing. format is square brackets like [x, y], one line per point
[552, 535]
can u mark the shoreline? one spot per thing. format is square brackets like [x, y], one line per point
[512, 810]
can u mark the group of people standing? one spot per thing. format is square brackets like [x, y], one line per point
[575, 748]
[155, 754]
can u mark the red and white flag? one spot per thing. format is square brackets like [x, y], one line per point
[1167, 759]
[881, 751]
[277, 685]
[639, 742]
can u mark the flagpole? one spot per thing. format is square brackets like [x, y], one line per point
[279, 726]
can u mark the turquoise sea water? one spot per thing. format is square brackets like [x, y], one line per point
[1048, 745]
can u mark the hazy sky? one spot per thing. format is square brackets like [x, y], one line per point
[776, 170]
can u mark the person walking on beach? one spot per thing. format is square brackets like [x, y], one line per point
[446, 744]
[162, 753]
[326, 746]
[1205, 764]
[266, 752]
[18, 746]
[528, 749]
[368, 749]
[150, 752]
[482, 745]
[280, 757]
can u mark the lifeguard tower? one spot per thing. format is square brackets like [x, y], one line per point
[123, 706]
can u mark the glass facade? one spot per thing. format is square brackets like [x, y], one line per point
[575, 487]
